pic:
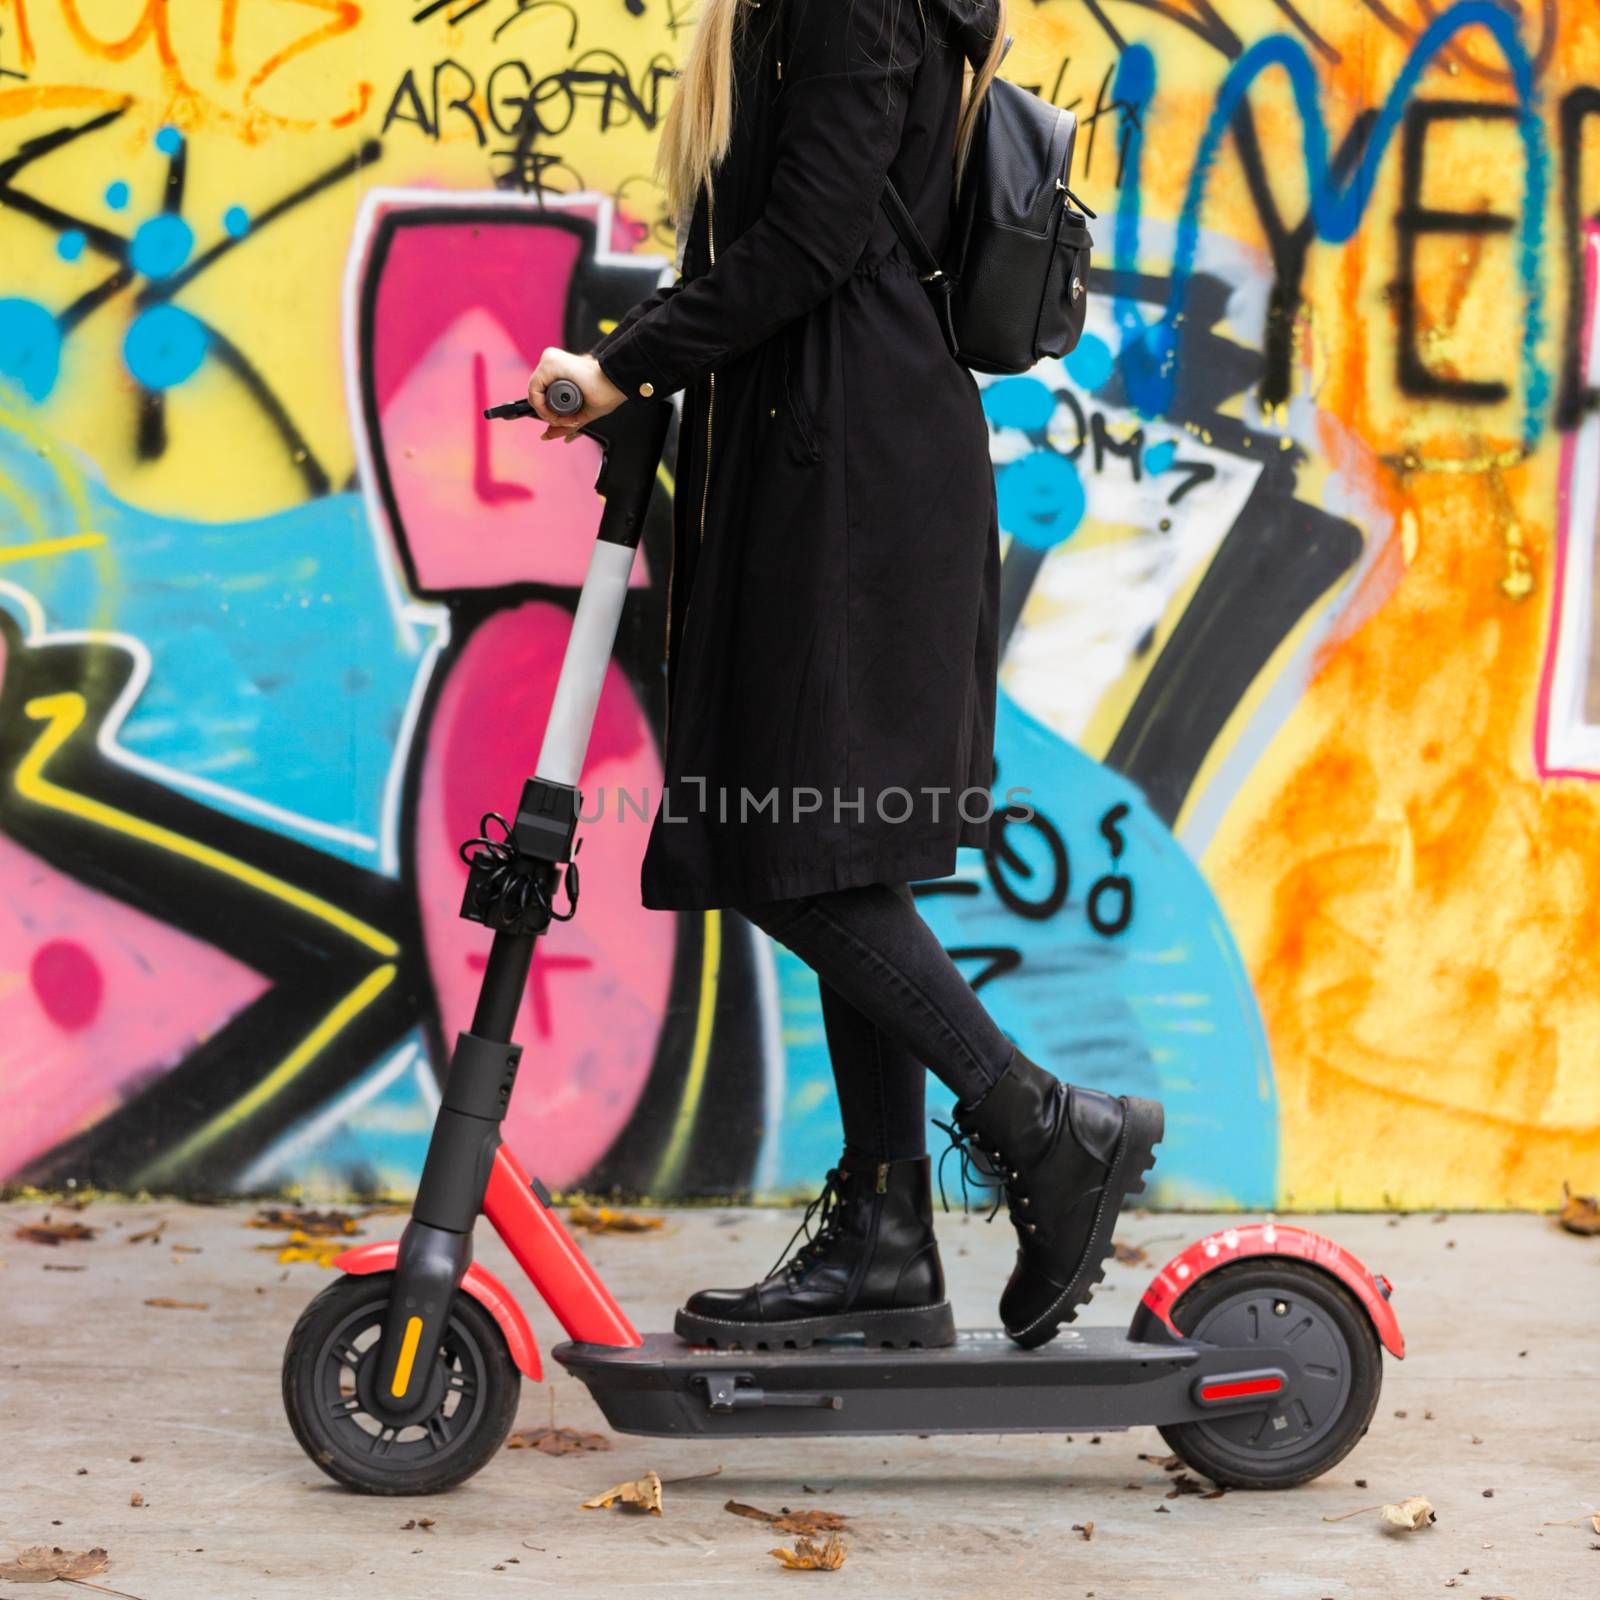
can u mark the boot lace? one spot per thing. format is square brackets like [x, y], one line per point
[826, 1211]
[983, 1167]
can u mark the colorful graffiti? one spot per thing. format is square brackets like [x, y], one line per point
[1298, 596]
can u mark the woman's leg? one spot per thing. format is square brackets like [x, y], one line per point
[1066, 1158]
[871, 946]
[872, 1268]
[881, 1085]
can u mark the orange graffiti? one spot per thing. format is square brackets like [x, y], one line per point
[19, 9]
[187, 102]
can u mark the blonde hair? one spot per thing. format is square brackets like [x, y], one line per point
[699, 122]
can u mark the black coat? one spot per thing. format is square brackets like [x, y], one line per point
[833, 605]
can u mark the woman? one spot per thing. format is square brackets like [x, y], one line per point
[831, 639]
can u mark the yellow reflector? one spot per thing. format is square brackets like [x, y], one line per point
[408, 1356]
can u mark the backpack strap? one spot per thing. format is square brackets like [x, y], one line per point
[929, 273]
[922, 258]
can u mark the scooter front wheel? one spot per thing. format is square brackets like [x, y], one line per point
[329, 1374]
[1267, 1301]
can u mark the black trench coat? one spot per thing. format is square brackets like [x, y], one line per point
[834, 598]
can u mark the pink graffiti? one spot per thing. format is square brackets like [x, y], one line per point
[68, 983]
[112, 999]
[592, 1015]
[461, 311]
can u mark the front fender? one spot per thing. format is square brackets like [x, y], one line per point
[1271, 1238]
[479, 1282]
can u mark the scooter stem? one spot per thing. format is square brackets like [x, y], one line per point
[511, 887]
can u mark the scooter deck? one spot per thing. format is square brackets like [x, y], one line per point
[1085, 1378]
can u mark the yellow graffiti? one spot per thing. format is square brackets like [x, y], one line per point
[670, 1171]
[276, 1079]
[62, 715]
[49, 547]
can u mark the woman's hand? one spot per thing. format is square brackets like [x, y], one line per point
[600, 394]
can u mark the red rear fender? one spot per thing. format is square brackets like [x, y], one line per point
[1273, 1238]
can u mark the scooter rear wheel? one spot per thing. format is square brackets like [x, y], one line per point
[1270, 1300]
[330, 1367]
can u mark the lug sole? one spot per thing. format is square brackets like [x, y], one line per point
[912, 1327]
[1142, 1130]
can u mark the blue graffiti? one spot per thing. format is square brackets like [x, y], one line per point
[1021, 402]
[161, 245]
[276, 668]
[1148, 355]
[1090, 364]
[165, 346]
[30, 347]
[1041, 499]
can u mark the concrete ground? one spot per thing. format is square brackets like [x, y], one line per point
[157, 1433]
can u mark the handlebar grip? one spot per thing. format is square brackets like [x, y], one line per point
[563, 397]
[511, 410]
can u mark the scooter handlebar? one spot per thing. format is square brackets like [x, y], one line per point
[631, 438]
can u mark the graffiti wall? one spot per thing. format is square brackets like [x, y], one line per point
[1299, 587]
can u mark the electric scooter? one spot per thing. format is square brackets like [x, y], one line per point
[1256, 1351]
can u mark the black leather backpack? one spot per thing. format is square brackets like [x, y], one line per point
[1014, 286]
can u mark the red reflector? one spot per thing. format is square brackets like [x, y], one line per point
[1240, 1389]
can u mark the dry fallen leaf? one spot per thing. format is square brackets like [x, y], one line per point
[810, 1557]
[179, 1305]
[1085, 1528]
[54, 1233]
[643, 1494]
[150, 1235]
[135, 1499]
[557, 1441]
[1412, 1513]
[1579, 1212]
[300, 1246]
[602, 1219]
[39, 1564]
[425, 1523]
[1130, 1255]
[324, 1224]
[787, 1521]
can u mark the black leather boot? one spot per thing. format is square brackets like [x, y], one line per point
[1065, 1160]
[872, 1269]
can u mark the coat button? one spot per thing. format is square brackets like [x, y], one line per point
[647, 389]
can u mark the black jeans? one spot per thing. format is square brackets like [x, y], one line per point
[895, 1007]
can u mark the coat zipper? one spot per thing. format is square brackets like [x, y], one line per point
[705, 488]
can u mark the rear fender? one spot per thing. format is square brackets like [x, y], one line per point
[480, 1283]
[1264, 1239]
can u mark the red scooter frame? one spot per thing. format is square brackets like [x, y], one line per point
[543, 1248]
